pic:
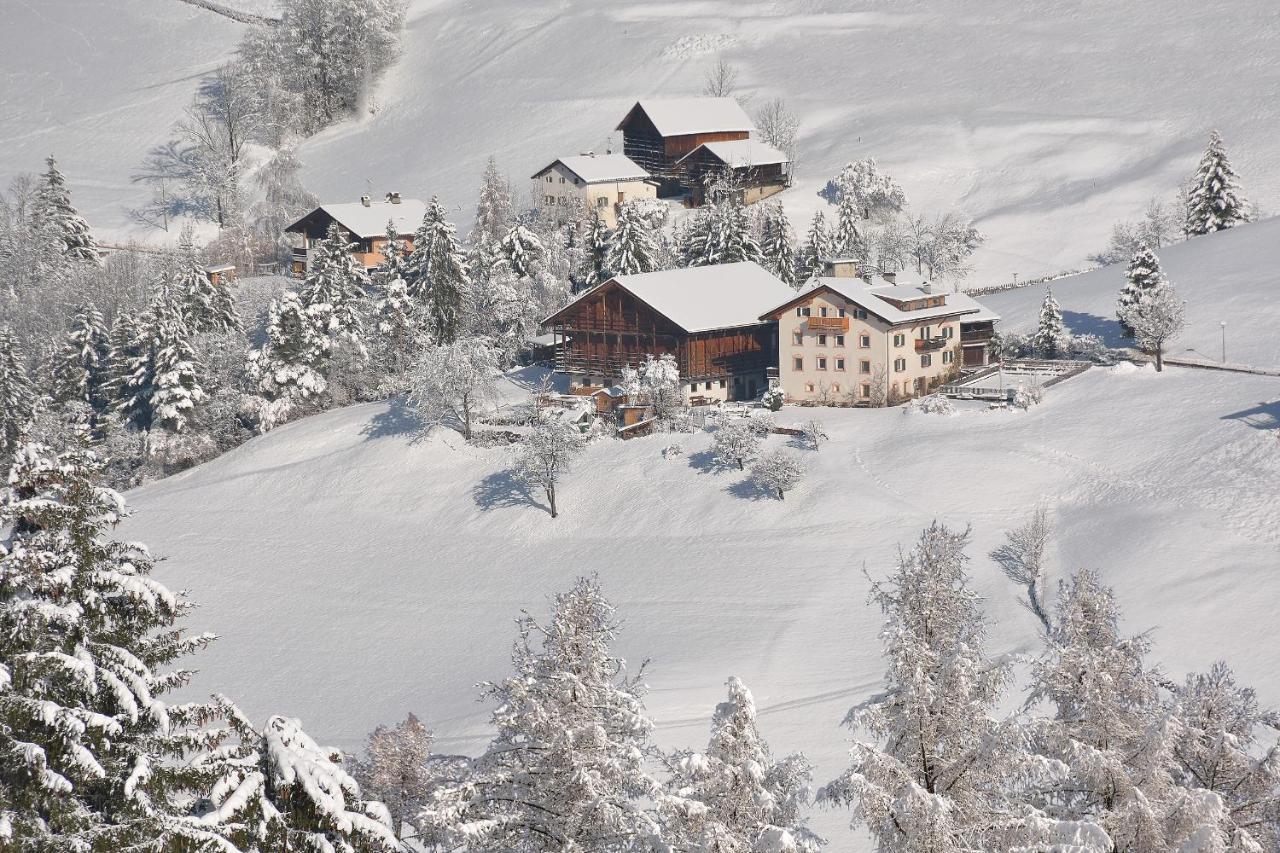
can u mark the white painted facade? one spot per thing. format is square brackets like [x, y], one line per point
[558, 188]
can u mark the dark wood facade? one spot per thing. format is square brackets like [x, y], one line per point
[658, 154]
[610, 328]
[976, 338]
[702, 166]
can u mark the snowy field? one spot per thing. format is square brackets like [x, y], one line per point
[1047, 121]
[1231, 275]
[355, 574]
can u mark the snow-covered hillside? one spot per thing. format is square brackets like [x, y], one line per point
[1230, 276]
[1046, 121]
[355, 574]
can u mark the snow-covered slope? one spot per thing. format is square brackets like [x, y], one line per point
[1230, 276]
[1048, 121]
[355, 574]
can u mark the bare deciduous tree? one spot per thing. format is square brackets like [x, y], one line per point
[1021, 558]
[720, 79]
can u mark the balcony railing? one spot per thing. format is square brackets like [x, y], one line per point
[299, 254]
[833, 324]
[930, 344]
[969, 336]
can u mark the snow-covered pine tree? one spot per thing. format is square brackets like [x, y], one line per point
[873, 194]
[848, 239]
[777, 244]
[545, 456]
[777, 473]
[1217, 749]
[720, 233]
[207, 307]
[396, 769]
[17, 396]
[288, 365]
[734, 797]
[1111, 731]
[595, 266]
[175, 381]
[632, 248]
[1214, 202]
[93, 757]
[80, 366]
[1052, 339]
[451, 381]
[397, 316]
[522, 251]
[817, 245]
[57, 221]
[438, 276]
[335, 285]
[1158, 317]
[124, 344]
[1143, 275]
[494, 210]
[735, 442]
[938, 774]
[284, 199]
[566, 768]
[505, 313]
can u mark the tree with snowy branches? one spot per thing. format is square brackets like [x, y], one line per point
[287, 367]
[734, 797]
[777, 244]
[735, 442]
[870, 193]
[335, 285]
[438, 276]
[817, 246]
[546, 455]
[597, 241]
[939, 772]
[632, 247]
[655, 382]
[397, 321]
[777, 473]
[566, 769]
[55, 219]
[1157, 318]
[91, 757]
[207, 307]
[17, 396]
[1052, 340]
[1142, 276]
[720, 232]
[522, 251]
[1213, 201]
[396, 770]
[80, 364]
[163, 385]
[124, 344]
[848, 239]
[452, 381]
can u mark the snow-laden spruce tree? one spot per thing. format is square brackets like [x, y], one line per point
[735, 442]
[333, 290]
[1157, 318]
[817, 246]
[777, 473]
[734, 797]
[1022, 559]
[1214, 202]
[777, 243]
[494, 207]
[91, 757]
[124, 344]
[1217, 749]
[163, 385]
[1110, 729]
[397, 323]
[80, 365]
[17, 396]
[277, 789]
[656, 382]
[438, 275]
[56, 221]
[566, 770]
[849, 239]
[1142, 276]
[546, 455]
[720, 232]
[207, 307]
[505, 313]
[1052, 339]
[597, 241]
[396, 770]
[632, 247]
[287, 367]
[451, 382]
[522, 251]
[938, 772]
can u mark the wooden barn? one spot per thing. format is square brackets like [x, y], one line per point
[758, 170]
[658, 132]
[707, 317]
[366, 222]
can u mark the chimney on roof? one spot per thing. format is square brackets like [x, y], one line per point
[927, 287]
[840, 267]
[364, 199]
[891, 277]
[394, 198]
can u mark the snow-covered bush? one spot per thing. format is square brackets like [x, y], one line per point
[777, 473]
[1025, 398]
[762, 423]
[814, 432]
[735, 442]
[932, 404]
[673, 451]
[773, 399]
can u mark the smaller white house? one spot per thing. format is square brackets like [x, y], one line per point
[573, 185]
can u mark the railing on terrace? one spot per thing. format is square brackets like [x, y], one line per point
[835, 324]
[930, 344]
[973, 335]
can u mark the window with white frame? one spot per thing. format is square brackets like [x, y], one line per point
[839, 364]
[602, 202]
[797, 338]
[822, 340]
[798, 363]
[899, 340]
[866, 391]
[822, 363]
[899, 365]
[948, 331]
[803, 311]
[864, 341]
[864, 366]
[822, 312]
[839, 340]
[948, 357]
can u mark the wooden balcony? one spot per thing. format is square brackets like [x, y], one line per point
[976, 336]
[930, 344]
[829, 324]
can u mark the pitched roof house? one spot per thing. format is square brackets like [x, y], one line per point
[366, 222]
[657, 132]
[759, 170]
[569, 185]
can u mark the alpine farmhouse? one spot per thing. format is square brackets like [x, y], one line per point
[366, 223]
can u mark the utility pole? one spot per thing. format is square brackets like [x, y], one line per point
[1224, 341]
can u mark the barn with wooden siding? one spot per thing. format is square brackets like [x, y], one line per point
[707, 317]
[758, 170]
[658, 132]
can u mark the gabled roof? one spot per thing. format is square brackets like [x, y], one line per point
[866, 296]
[600, 168]
[683, 116]
[371, 221]
[700, 299]
[741, 153]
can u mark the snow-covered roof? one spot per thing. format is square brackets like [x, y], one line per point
[868, 296]
[372, 221]
[699, 299]
[743, 153]
[983, 312]
[683, 116]
[600, 168]
[220, 268]
[614, 391]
